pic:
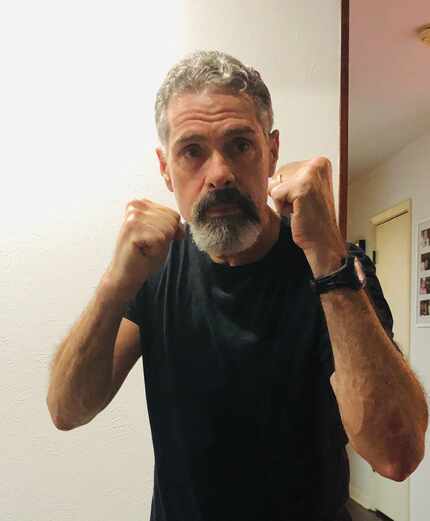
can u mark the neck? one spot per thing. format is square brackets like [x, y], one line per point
[267, 238]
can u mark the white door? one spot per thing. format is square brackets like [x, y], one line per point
[393, 271]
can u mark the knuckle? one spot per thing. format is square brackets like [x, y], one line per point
[132, 215]
[133, 221]
[131, 204]
[137, 203]
[322, 162]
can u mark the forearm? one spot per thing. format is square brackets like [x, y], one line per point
[81, 370]
[382, 405]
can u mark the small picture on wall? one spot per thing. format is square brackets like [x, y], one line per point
[425, 308]
[423, 293]
[425, 286]
[425, 262]
[425, 238]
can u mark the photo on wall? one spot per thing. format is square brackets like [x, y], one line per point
[423, 293]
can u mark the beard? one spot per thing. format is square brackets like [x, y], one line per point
[225, 234]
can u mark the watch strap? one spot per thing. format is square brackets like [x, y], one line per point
[344, 277]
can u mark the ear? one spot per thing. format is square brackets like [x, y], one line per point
[163, 169]
[274, 151]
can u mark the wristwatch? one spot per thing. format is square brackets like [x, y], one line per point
[349, 275]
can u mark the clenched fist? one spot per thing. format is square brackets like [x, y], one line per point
[142, 245]
[304, 191]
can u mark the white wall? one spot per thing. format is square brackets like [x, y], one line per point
[405, 175]
[77, 92]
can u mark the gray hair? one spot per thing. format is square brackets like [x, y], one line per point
[215, 70]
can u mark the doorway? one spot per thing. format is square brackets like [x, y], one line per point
[392, 230]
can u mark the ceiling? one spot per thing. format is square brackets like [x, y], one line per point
[389, 80]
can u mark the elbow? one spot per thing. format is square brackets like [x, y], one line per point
[61, 426]
[398, 471]
[57, 419]
[395, 472]
[404, 464]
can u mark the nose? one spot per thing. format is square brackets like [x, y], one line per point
[219, 172]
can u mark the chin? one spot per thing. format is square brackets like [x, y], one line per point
[222, 238]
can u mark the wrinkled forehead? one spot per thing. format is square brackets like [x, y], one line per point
[189, 109]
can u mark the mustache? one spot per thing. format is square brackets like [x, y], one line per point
[229, 195]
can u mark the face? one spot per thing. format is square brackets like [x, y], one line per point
[217, 163]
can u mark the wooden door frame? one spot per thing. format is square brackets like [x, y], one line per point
[344, 119]
[404, 207]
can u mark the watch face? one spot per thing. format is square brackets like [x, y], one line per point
[359, 271]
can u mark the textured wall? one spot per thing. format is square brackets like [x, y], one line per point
[78, 142]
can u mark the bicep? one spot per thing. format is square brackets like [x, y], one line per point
[127, 351]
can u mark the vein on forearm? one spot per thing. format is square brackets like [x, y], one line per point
[379, 398]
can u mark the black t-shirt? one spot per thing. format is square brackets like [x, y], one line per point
[245, 425]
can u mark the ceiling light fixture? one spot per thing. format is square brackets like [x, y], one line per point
[424, 34]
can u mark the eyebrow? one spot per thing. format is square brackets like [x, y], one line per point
[231, 132]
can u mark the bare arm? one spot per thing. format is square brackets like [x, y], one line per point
[101, 348]
[382, 404]
[82, 369]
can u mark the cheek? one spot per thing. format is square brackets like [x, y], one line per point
[187, 193]
[262, 197]
[258, 189]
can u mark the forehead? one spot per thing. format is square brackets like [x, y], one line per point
[210, 111]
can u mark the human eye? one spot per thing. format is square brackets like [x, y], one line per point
[242, 145]
[192, 151]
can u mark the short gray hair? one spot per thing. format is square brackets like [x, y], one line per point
[215, 70]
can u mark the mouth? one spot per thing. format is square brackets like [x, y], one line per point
[223, 209]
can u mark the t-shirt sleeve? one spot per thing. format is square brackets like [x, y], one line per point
[135, 311]
[131, 312]
[374, 290]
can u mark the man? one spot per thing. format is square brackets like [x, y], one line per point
[263, 354]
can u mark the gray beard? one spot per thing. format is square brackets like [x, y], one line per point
[227, 235]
